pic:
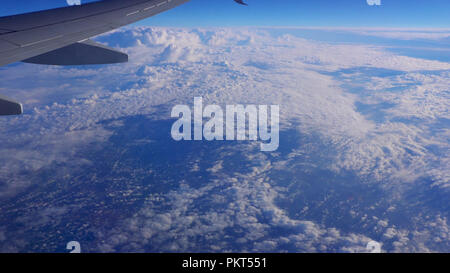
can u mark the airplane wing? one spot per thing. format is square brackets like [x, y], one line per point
[29, 35]
[60, 36]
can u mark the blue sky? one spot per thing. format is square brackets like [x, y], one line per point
[347, 13]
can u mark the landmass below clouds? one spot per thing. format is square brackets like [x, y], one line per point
[315, 84]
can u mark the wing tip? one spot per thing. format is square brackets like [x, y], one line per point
[9, 107]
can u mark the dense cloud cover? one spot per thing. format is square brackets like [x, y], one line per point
[368, 129]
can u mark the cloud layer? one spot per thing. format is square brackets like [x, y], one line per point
[381, 117]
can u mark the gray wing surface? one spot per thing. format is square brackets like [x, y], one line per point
[29, 35]
[80, 53]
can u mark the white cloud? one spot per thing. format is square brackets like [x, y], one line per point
[73, 2]
[191, 224]
[247, 66]
[374, 2]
